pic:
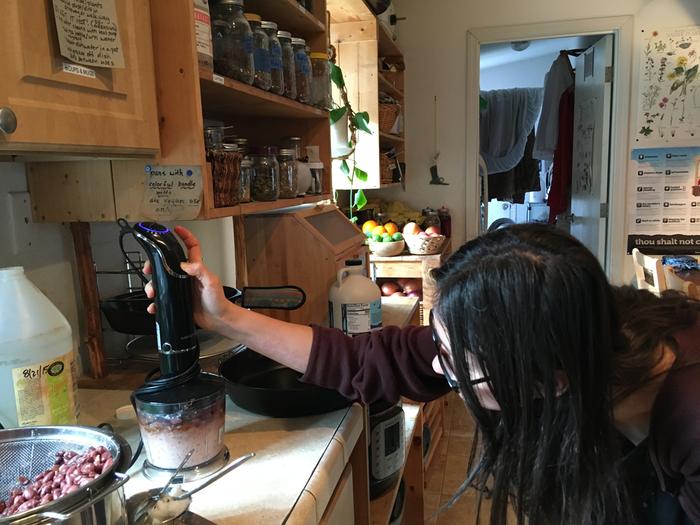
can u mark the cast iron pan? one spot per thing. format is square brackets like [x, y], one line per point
[265, 387]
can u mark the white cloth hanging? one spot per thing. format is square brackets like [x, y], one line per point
[505, 123]
[556, 81]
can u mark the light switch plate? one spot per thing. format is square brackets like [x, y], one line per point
[21, 225]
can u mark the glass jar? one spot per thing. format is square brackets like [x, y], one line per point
[295, 144]
[261, 52]
[316, 187]
[265, 185]
[242, 144]
[302, 70]
[289, 186]
[232, 40]
[288, 72]
[202, 34]
[321, 81]
[431, 218]
[276, 69]
[246, 177]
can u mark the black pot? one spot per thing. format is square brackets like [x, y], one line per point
[265, 387]
[126, 313]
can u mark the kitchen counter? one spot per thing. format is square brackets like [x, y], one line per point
[291, 479]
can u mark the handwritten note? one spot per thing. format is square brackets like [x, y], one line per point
[172, 192]
[88, 32]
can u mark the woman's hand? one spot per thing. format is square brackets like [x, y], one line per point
[210, 303]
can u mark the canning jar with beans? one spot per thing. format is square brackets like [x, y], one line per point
[302, 70]
[288, 70]
[276, 69]
[265, 185]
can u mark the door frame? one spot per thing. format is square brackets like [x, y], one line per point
[623, 29]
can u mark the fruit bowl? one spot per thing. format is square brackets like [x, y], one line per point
[424, 245]
[386, 249]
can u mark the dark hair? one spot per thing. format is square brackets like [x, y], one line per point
[647, 322]
[529, 301]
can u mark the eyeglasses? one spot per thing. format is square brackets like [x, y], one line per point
[445, 360]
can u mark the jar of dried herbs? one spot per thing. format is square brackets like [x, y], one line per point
[302, 70]
[288, 71]
[276, 69]
[261, 52]
[289, 185]
[265, 185]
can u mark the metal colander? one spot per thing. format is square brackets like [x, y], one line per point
[29, 451]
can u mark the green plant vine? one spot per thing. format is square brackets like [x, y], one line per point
[357, 121]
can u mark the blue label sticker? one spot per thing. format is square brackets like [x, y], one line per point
[147, 169]
[189, 173]
[261, 58]
[248, 44]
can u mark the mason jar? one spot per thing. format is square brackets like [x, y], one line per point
[289, 187]
[302, 70]
[246, 178]
[232, 40]
[288, 69]
[276, 68]
[321, 81]
[265, 185]
[261, 52]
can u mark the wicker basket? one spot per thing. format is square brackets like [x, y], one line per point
[226, 175]
[386, 167]
[428, 246]
[388, 113]
[386, 249]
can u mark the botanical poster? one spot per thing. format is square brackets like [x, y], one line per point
[669, 94]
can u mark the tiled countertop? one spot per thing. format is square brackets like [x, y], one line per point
[298, 461]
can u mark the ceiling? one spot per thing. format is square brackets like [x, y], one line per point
[493, 55]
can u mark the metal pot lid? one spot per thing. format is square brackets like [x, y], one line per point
[29, 451]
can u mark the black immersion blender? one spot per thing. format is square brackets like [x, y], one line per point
[179, 407]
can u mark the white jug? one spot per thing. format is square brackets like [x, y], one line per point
[37, 370]
[355, 302]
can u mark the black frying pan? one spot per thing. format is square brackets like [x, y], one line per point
[263, 386]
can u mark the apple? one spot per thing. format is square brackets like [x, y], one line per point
[390, 288]
[434, 234]
[433, 229]
[423, 235]
[411, 228]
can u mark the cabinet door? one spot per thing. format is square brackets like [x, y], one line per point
[88, 111]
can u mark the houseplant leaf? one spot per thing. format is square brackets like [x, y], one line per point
[360, 200]
[337, 113]
[361, 175]
[337, 76]
[361, 123]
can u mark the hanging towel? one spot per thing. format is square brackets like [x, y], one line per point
[512, 185]
[505, 123]
[559, 78]
[559, 197]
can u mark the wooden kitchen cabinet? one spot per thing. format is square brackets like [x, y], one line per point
[100, 111]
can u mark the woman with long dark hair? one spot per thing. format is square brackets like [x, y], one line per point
[526, 330]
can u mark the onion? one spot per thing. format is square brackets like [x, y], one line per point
[415, 294]
[398, 294]
[390, 288]
[413, 285]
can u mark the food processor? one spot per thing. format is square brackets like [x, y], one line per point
[179, 407]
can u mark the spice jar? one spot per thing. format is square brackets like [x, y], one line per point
[265, 185]
[202, 34]
[261, 52]
[289, 187]
[246, 177]
[232, 40]
[288, 71]
[302, 70]
[276, 70]
[321, 81]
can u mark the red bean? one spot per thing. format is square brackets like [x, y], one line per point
[29, 493]
[72, 488]
[27, 505]
[23, 480]
[46, 499]
[18, 501]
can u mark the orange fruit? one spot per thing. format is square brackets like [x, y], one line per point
[368, 226]
[378, 230]
[391, 228]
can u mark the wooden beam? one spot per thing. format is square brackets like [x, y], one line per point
[91, 300]
[240, 251]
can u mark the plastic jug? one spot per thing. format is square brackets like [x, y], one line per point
[37, 371]
[355, 302]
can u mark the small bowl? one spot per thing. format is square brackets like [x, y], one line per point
[424, 246]
[387, 249]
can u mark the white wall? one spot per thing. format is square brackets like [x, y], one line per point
[433, 39]
[48, 255]
[521, 74]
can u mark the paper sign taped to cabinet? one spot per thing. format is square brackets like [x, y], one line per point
[88, 32]
[172, 192]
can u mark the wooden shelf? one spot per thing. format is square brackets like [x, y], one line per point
[224, 98]
[387, 45]
[288, 14]
[390, 138]
[381, 507]
[388, 87]
[250, 208]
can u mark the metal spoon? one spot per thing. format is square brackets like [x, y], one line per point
[228, 468]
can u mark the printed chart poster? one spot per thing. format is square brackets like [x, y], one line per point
[669, 94]
[664, 213]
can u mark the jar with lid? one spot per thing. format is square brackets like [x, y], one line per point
[276, 70]
[202, 34]
[302, 70]
[261, 52]
[321, 81]
[295, 144]
[246, 177]
[265, 185]
[289, 187]
[288, 71]
[445, 221]
[242, 144]
[431, 218]
[316, 186]
[232, 41]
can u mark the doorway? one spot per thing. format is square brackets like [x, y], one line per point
[622, 29]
